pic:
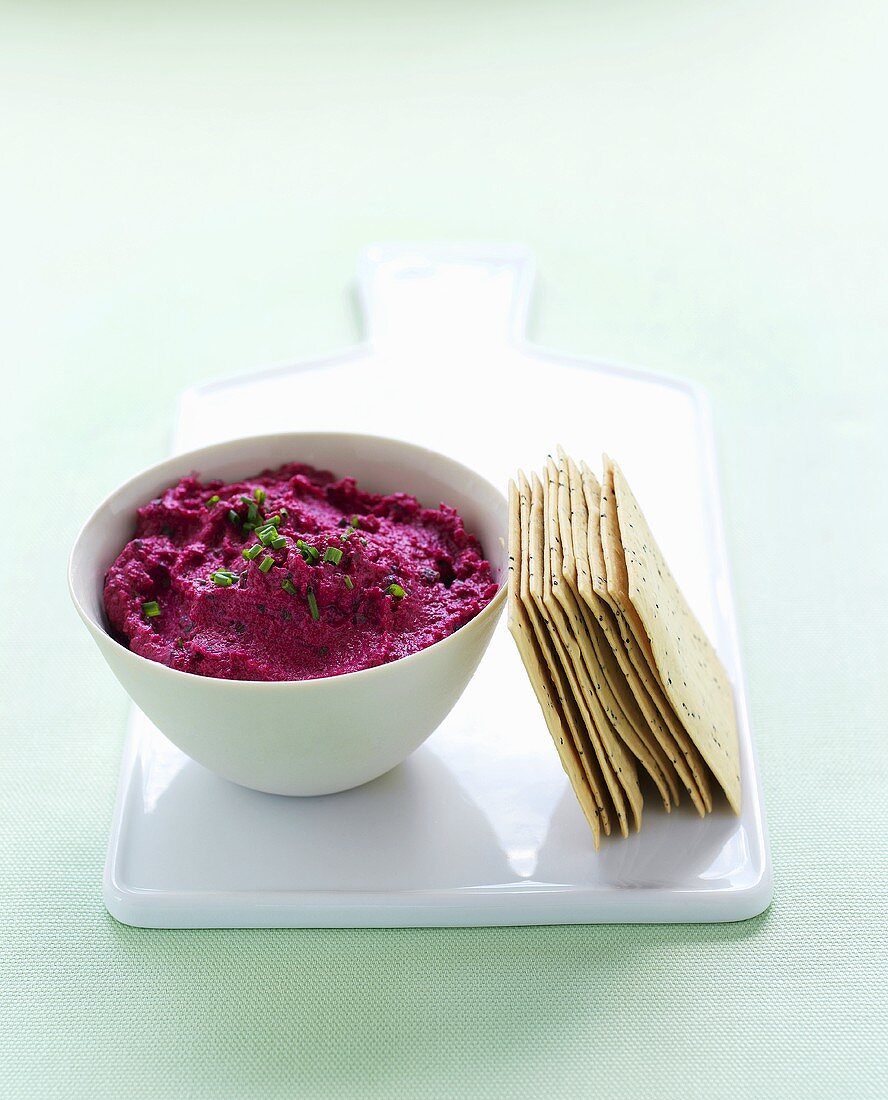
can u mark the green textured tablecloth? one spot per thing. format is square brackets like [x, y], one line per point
[184, 192]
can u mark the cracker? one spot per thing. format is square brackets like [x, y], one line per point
[592, 584]
[603, 704]
[566, 504]
[619, 663]
[607, 676]
[635, 637]
[585, 740]
[547, 681]
[616, 764]
[693, 678]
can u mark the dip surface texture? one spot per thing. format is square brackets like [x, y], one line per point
[346, 581]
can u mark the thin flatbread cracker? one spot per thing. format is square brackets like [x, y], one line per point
[693, 677]
[606, 640]
[616, 694]
[634, 634]
[621, 667]
[590, 674]
[621, 763]
[564, 693]
[540, 677]
[589, 751]
[592, 583]
[556, 677]
[566, 504]
[575, 721]
[616, 765]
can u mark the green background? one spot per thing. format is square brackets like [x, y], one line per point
[184, 191]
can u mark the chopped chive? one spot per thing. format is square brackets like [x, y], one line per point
[333, 554]
[252, 513]
[355, 521]
[278, 543]
[397, 591]
[213, 500]
[273, 521]
[259, 494]
[284, 513]
[312, 605]
[151, 609]
[349, 583]
[233, 516]
[363, 542]
[252, 552]
[288, 586]
[311, 553]
[266, 535]
[221, 580]
[266, 563]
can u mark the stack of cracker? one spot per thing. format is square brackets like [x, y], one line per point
[628, 683]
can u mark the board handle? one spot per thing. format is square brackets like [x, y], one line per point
[421, 294]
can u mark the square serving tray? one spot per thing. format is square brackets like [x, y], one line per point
[479, 826]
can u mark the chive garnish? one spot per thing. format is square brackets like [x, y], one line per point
[288, 586]
[274, 521]
[259, 494]
[233, 516]
[266, 563]
[397, 591]
[349, 583]
[311, 553]
[333, 554]
[312, 605]
[151, 609]
[222, 578]
[252, 513]
[266, 535]
[213, 500]
[252, 552]
[284, 513]
[278, 543]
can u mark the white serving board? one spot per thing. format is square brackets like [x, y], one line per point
[479, 826]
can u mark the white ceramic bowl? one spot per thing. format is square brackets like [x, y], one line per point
[316, 736]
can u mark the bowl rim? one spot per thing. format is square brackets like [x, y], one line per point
[317, 683]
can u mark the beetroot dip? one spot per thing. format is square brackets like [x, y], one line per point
[338, 581]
